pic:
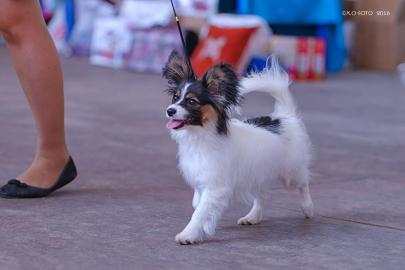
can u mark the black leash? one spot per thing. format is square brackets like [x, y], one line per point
[182, 41]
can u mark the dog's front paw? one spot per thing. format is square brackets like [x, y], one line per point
[249, 220]
[188, 238]
[308, 209]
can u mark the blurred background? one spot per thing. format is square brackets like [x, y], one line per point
[311, 38]
[347, 62]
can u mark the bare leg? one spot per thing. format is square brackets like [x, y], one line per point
[306, 201]
[255, 214]
[36, 62]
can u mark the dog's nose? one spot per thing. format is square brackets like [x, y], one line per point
[171, 112]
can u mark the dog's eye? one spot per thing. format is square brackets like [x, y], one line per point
[191, 101]
[175, 98]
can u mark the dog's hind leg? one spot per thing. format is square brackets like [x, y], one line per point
[255, 214]
[306, 201]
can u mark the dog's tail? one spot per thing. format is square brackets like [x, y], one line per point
[274, 81]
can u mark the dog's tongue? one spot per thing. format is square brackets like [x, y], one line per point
[172, 124]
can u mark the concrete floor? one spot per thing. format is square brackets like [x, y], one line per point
[129, 201]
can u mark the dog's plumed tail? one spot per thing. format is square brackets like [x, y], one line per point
[274, 81]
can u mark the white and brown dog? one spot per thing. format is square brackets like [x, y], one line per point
[223, 158]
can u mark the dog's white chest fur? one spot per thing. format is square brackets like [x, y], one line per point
[200, 159]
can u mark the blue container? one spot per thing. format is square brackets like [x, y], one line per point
[325, 16]
[70, 17]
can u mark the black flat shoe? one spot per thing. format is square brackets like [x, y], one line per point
[16, 189]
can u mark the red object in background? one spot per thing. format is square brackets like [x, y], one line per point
[221, 45]
[310, 61]
[302, 58]
[318, 59]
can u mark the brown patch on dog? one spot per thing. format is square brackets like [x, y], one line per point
[208, 114]
[215, 74]
[193, 97]
[177, 70]
[214, 77]
[178, 61]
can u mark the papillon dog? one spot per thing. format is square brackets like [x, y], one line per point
[223, 158]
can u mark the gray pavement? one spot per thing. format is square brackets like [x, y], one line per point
[129, 201]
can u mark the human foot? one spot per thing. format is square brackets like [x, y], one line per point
[17, 189]
[44, 171]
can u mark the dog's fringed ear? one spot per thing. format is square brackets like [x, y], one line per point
[177, 70]
[223, 84]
